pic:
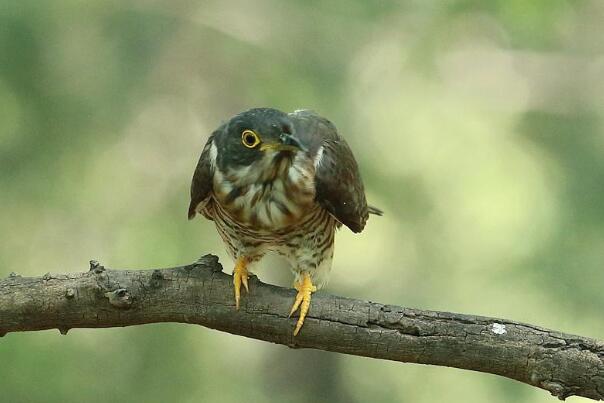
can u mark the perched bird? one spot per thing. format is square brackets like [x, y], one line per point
[280, 182]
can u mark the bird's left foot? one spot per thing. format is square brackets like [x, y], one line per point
[305, 289]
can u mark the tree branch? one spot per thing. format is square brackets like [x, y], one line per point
[200, 293]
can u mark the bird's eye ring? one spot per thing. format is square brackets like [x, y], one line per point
[250, 139]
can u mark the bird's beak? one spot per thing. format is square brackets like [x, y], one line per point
[287, 142]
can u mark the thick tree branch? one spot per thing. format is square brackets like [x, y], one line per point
[201, 294]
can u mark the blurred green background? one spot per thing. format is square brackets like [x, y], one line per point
[479, 130]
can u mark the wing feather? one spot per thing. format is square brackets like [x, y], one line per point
[201, 184]
[338, 184]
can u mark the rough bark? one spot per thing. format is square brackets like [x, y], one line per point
[201, 294]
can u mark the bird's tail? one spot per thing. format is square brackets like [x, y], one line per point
[375, 210]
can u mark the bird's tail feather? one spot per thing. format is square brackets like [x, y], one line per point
[375, 210]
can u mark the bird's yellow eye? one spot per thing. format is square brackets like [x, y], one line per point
[250, 139]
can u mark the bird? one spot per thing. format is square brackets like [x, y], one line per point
[276, 182]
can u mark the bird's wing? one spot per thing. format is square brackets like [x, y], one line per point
[338, 184]
[201, 185]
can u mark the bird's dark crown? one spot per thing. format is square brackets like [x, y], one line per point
[273, 129]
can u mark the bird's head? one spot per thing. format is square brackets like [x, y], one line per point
[256, 137]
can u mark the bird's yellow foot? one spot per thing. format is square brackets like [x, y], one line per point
[240, 276]
[305, 289]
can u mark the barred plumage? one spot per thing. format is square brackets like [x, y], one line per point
[283, 183]
[274, 211]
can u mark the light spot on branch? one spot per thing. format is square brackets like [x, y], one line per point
[498, 328]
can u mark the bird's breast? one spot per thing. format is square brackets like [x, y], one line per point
[268, 195]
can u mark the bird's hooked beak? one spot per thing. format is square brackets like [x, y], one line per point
[287, 142]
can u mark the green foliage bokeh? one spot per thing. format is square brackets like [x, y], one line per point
[479, 130]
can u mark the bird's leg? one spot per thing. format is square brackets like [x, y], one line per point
[240, 276]
[305, 289]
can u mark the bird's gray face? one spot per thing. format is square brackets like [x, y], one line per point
[257, 135]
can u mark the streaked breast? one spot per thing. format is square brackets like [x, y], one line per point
[268, 195]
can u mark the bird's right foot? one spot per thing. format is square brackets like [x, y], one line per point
[240, 276]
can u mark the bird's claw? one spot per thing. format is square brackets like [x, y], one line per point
[305, 289]
[240, 276]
